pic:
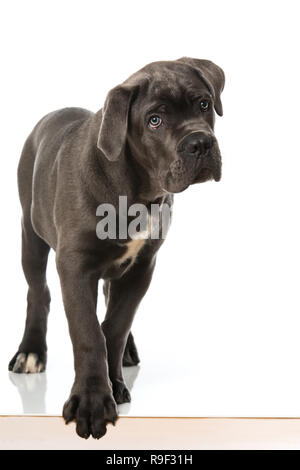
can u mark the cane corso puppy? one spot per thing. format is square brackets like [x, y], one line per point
[153, 138]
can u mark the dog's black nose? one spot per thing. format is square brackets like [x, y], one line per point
[197, 143]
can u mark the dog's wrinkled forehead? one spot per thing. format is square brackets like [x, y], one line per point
[170, 80]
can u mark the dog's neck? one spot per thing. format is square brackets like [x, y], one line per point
[147, 184]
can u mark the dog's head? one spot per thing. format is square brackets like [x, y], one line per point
[164, 116]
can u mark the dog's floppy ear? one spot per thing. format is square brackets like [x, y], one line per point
[212, 75]
[113, 129]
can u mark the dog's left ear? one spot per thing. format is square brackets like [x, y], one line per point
[113, 129]
[212, 75]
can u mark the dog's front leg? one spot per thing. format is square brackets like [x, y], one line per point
[124, 296]
[91, 402]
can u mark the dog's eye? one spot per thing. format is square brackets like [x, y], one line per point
[204, 105]
[155, 122]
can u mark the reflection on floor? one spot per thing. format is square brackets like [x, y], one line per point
[32, 389]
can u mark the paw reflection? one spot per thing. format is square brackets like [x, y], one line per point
[32, 389]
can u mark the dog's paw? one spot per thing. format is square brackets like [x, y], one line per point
[27, 363]
[130, 357]
[120, 392]
[92, 411]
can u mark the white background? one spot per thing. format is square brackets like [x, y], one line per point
[218, 333]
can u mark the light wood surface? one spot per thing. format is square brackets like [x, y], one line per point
[25, 432]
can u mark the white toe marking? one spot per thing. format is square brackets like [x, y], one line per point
[29, 365]
[19, 361]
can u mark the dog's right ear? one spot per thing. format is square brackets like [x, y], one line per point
[113, 129]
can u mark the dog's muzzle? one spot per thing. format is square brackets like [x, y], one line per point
[200, 150]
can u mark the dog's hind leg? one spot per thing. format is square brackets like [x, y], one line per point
[32, 352]
[130, 356]
[31, 355]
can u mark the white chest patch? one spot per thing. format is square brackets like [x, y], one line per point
[133, 248]
[135, 245]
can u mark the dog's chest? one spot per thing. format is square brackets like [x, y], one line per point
[130, 250]
[134, 248]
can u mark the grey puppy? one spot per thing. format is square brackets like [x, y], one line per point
[153, 138]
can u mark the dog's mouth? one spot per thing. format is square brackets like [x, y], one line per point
[208, 166]
[193, 169]
[207, 174]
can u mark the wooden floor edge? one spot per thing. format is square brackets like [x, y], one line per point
[158, 417]
[163, 417]
[183, 433]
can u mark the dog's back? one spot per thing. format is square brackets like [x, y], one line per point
[43, 142]
[36, 166]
